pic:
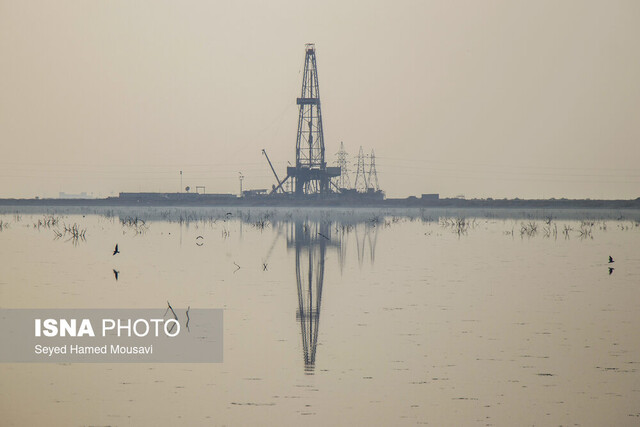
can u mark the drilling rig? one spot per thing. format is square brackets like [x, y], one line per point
[310, 175]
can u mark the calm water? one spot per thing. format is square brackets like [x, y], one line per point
[340, 317]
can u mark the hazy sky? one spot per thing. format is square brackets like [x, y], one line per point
[482, 98]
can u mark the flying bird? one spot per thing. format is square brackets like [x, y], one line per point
[116, 272]
[611, 259]
[611, 270]
[116, 251]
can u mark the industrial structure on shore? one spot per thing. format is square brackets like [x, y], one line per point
[310, 179]
[311, 176]
[312, 182]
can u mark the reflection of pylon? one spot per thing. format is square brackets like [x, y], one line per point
[372, 244]
[341, 232]
[342, 163]
[361, 242]
[372, 179]
[361, 177]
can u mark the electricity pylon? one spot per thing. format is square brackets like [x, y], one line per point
[361, 177]
[372, 178]
[343, 163]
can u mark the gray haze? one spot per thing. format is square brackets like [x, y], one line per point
[486, 99]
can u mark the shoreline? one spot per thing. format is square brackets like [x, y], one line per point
[268, 202]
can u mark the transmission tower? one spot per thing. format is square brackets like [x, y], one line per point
[342, 163]
[372, 178]
[361, 178]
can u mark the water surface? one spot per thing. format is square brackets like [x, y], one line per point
[341, 317]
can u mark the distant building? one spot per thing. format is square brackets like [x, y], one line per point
[253, 193]
[175, 197]
[83, 195]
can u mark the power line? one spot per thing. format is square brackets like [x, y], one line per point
[510, 165]
[466, 170]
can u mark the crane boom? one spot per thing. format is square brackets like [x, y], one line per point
[273, 170]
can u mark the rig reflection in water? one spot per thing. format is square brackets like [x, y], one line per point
[311, 240]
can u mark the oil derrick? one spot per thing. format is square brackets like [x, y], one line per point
[343, 164]
[361, 184]
[310, 241]
[372, 178]
[310, 174]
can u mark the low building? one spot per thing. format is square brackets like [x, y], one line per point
[433, 196]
